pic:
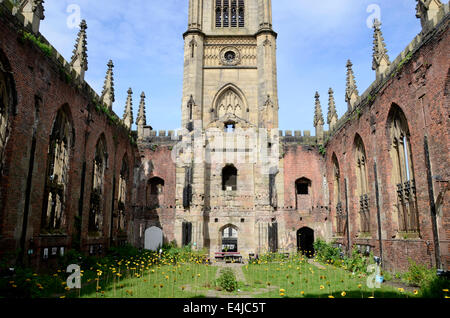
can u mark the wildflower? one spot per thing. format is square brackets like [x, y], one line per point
[401, 290]
[359, 285]
[343, 294]
[62, 297]
[13, 286]
[302, 292]
[330, 296]
[322, 287]
[415, 292]
[445, 290]
[67, 288]
[282, 290]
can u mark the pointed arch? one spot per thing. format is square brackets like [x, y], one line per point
[122, 194]
[228, 238]
[337, 196]
[60, 149]
[8, 102]
[230, 100]
[402, 169]
[98, 175]
[362, 185]
[229, 178]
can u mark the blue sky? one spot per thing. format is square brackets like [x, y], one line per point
[315, 39]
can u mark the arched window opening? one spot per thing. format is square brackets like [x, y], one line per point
[4, 112]
[100, 162]
[122, 196]
[340, 217]
[229, 178]
[403, 173]
[155, 190]
[303, 194]
[230, 239]
[362, 184]
[61, 141]
[230, 13]
[229, 102]
[302, 186]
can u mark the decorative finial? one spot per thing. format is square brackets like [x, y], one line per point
[426, 11]
[108, 88]
[318, 115]
[79, 59]
[33, 11]
[380, 58]
[141, 119]
[128, 115]
[351, 92]
[332, 114]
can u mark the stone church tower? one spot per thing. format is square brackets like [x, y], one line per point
[227, 164]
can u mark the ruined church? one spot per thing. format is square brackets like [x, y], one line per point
[76, 176]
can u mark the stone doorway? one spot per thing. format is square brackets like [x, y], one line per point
[229, 239]
[305, 241]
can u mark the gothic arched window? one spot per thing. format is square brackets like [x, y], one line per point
[155, 190]
[230, 13]
[340, 217]
[100, 162]
[403, 173]
[362, 185]
[122, 195]
[56, 181]
[4, 112]
[229, 178]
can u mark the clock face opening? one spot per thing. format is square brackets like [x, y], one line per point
[230, 56]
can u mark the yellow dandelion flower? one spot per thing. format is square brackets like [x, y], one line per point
[282, 290]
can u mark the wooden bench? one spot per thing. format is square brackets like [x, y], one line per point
[229, 256]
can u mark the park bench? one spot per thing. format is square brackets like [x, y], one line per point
[227, 256]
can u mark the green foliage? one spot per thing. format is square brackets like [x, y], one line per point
[322, 150]
[357, 262]
[418, 275]
[435, 288]
[326, 252]
[227, 280]
[46, 49]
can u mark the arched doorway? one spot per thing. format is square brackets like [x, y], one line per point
[305, 241]
[153, 238]
[229, 239]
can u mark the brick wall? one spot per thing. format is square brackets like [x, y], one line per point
[38, 77]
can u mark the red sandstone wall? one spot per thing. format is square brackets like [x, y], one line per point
[37, 75]
[419, 91]
[156, 162]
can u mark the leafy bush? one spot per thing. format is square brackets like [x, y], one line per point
[435, 288]
[326, 252]
[358, 262]
[227, 280]
[418, 275]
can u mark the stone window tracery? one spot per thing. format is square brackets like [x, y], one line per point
[4, 102]
[340, 217]
[230, 13]
[362, 185]
[229, 103]
[122, 196]
[96, 210]
[403, 173]
[57, 174]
